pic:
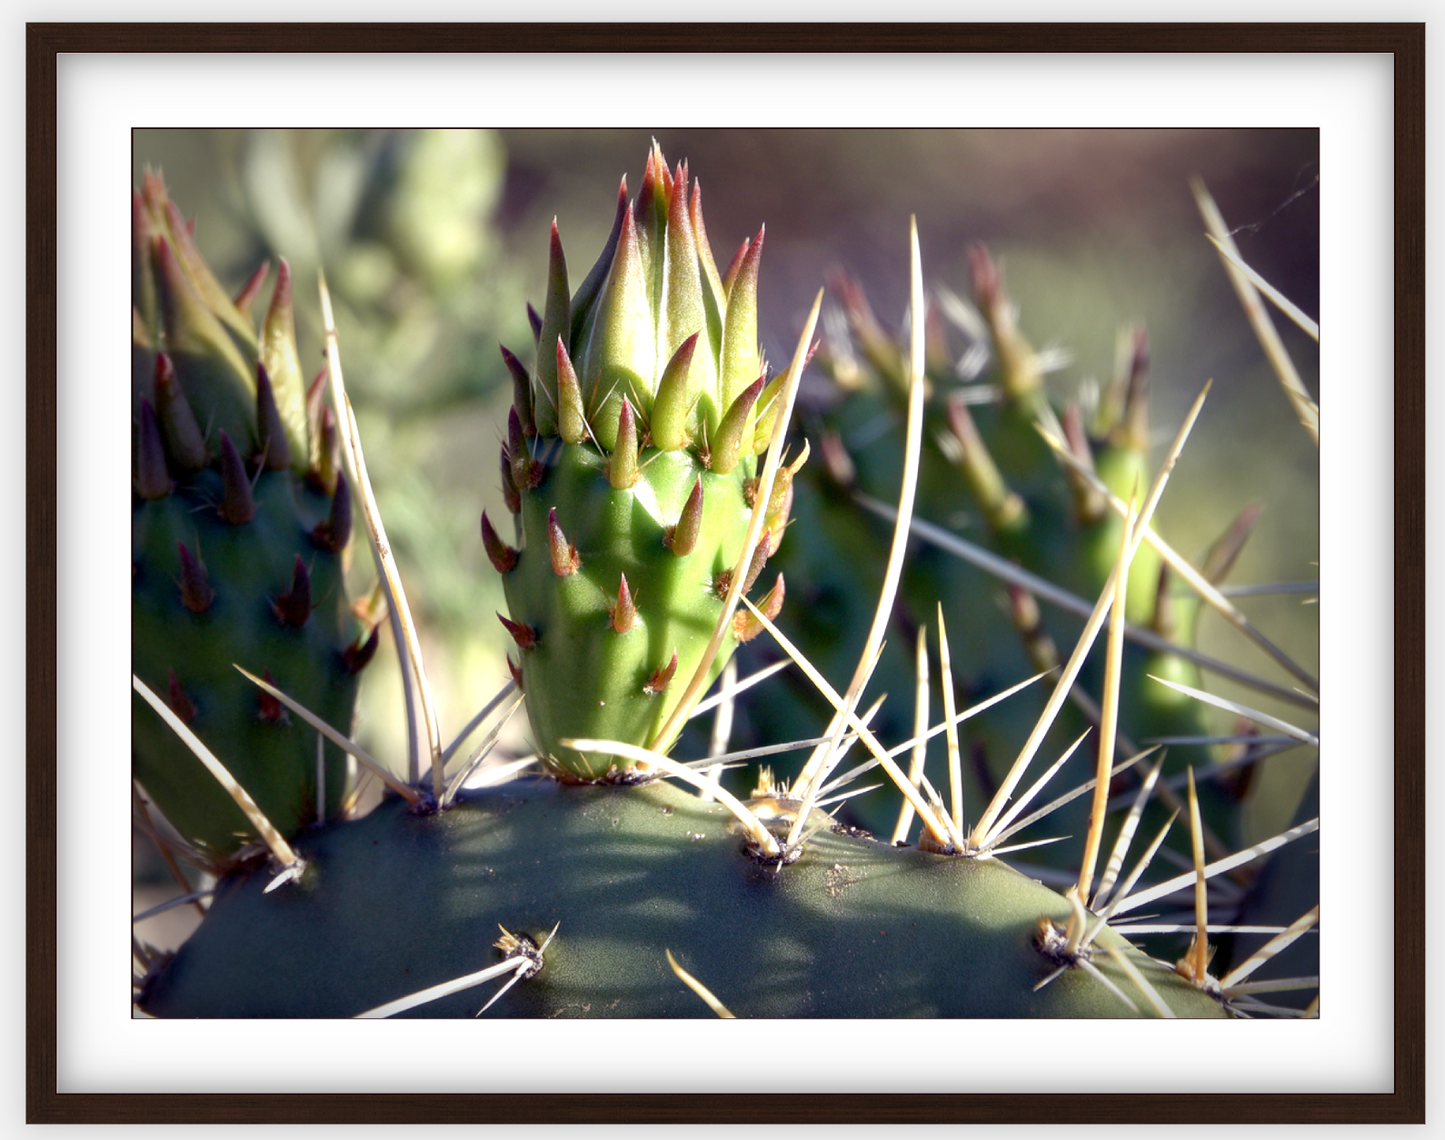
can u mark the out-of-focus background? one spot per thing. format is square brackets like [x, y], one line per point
[434, 241]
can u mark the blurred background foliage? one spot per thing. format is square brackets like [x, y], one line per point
[433, 241]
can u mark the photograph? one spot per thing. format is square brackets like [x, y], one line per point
[527, 629]
[838, 540]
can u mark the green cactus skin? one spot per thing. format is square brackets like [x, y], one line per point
[584, 678]
[397, 902]
[1002, 488]
[271, 754]
[628, 462]
[240, 520]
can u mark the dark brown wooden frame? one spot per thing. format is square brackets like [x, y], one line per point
[1406, 1104]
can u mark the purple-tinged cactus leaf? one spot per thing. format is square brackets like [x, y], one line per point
[661, 678]
[515, 670]
[293, 608]
[238, 503]
[563, 553]
[510, 495]
[746, 625]
[333, 534]
[185, 446]
[682, 538]
[358, 655]
[521, 391]
[152, 478]
[196, 592]
[275, 453]
[1220, 559]
[526, 471]
[252, 289]
[623, 613]
[502, 556]
[524, 635]
[760, 559]
[180, 703]
[269, 708]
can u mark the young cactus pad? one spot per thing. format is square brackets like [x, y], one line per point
[240, 516]
[630, 464]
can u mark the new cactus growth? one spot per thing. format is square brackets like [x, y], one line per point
[630, 464]
[240, 520]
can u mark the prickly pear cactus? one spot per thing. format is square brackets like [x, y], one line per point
[629, 462]
[240, 520]
[630, 467]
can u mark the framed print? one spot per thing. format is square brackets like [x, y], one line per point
[981, 242]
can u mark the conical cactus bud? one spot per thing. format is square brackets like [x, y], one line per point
[238, 504]
[294, 606]
[252, 289]
[670, 408]
[269, 708]
[658, 396]
[502, 556]
[726, 447]
[571, 422]
[275, 451]
[196, 592]
[326, 459]
[740, 340]
[682, 538]
[184, 443]
[359, 654]
[521, 391]
[283, 365]
[622, 467]
[152, 479]
[524, 635]
[556, 325]
[510, 493]
[180, 702]
[623, 614]
[333, 534]
[661, 678]
[746, 625]
[563, 553]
